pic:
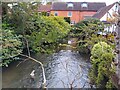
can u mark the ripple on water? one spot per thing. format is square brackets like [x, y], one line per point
[61, 69]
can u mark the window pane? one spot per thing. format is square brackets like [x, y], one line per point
[69, 14]
[56, 14]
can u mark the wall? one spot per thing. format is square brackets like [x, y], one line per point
[86, 13]
[76, 15]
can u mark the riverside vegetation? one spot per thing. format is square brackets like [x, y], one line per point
[100, 47]
[24, 27]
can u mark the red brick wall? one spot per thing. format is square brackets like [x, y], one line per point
[86, 13]
[76, 15]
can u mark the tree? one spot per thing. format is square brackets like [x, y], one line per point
[87, 31]
[39, 33]
[51, 30]
[19, 16]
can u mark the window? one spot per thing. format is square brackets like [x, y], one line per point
[84, 5]
[69, 14]
[70, 5]
[56, 14]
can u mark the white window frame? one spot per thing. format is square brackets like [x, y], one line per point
[84, 5]
[70, 5]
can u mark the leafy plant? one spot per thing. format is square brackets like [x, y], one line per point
[101, 59]
[11, 46]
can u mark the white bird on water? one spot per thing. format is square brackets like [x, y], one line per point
[32, 74]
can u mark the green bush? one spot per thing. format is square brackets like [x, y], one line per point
[11, 46]
[101, 59]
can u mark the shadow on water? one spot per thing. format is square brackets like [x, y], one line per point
[64, 68]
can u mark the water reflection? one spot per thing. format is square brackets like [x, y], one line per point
[68, 68]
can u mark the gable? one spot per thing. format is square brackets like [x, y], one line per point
[106, 12]
[109, 13]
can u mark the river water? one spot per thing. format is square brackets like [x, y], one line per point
[64, 69]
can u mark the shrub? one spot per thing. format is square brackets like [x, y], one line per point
[101, 59]
[11, 46]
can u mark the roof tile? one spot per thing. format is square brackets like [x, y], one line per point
[44, 8]
[92, 6]
[103, 11]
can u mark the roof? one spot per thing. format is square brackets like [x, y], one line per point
[103, 11]
[44, 8]
[92, 6]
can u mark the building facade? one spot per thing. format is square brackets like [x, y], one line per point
[77, 11]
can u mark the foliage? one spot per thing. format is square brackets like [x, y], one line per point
[84, 29]
[44, 13]
[101, 59]
[42, 33]
[37, 32]
[19, 16]
[11, 45]
[87, 31]
[110, 84]
[50, 32]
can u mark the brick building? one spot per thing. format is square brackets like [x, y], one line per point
[77, 11]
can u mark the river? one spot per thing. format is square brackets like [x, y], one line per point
[64, 69]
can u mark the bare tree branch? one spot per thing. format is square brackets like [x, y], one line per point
[44, 78]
